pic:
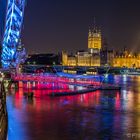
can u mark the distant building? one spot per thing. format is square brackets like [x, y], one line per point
[107, 57]
[91, 57]
[88, 59]
[94, 40]
[99, 55]
[43, 59]
[126, 59]
[64, 58]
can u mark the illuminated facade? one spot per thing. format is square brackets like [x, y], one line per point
[129, 61]
[12, 31]
[86, 58]
[98, 56]
[94, 40]
[72, 61]
[81, 59]
[64, 58]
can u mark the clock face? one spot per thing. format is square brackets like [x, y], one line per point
[95, 45]
[95, 42]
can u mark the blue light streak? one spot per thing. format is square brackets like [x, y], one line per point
[11, 38]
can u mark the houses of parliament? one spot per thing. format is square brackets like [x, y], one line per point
[98, 54]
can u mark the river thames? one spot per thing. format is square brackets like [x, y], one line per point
[106, 115]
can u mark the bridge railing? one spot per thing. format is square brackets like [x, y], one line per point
[3, 113]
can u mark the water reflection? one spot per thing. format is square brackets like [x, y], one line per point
[96, 115]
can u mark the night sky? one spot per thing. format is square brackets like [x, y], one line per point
[56, 25]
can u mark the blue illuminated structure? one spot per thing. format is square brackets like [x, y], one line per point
[12, 31]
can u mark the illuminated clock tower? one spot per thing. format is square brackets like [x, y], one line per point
[94, 40]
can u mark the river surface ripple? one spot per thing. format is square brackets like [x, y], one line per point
[105, 115]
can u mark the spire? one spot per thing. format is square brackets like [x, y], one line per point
[90, 32]
[94, 26]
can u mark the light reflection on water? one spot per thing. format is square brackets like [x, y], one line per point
[96, 115]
